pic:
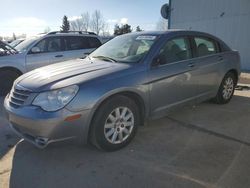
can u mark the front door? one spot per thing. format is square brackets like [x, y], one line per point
[49, 51]
[173, 80]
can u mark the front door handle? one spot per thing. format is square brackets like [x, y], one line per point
[191, 65]
[57, 56]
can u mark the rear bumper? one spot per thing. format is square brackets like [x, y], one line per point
[41, 128]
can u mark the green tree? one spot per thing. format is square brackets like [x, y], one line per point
[120, 30]
[138, 29]
[117, 30]
[14, 36]
[65, 24]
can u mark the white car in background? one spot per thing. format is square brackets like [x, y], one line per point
[16, 42]
[42, 50]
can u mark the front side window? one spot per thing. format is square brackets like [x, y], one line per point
[51, 44]
[42, 45]
[54, 45]
[204, 46]
[175, 50]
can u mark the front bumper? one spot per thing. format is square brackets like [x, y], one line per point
[41, 128]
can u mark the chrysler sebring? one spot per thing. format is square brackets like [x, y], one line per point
[103, 98]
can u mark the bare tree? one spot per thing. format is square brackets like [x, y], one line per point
[47, 30]
[82, 23]
[86, 21]
[76, 25]
[162, 24]
[97, 22]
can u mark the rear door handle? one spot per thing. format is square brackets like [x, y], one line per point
[58, 56]
[191, 65]
[220, 58]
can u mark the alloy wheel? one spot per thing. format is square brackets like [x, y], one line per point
[119, 125]
[228, 88]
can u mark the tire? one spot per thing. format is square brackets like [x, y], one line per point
[115, 123]
[6, 81]
[226, 90]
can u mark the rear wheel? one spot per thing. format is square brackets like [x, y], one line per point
[226, 89]
[115, 123]
[7, 77]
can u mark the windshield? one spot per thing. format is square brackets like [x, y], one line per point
[16, 42]
[125, 48]
[23, 46]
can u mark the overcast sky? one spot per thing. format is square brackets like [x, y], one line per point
[31, 17]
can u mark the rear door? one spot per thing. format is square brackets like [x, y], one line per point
[50, 51]
[80, 46]
[208, 62]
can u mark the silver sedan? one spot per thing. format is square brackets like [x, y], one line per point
[134, 77]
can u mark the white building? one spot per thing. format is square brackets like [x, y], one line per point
[226, 19]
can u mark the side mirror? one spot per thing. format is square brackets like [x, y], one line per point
[35, 50]
[158, 60]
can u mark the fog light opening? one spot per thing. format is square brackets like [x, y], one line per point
[72, 118]
[41, 141]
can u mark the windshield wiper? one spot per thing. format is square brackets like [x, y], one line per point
[105, 58]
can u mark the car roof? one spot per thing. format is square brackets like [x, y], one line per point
[172, 32]
[180, 32]
[70, 34]
[177, 32]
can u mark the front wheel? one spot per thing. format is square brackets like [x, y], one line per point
[226, 90]
[115, 123]
[7, 77]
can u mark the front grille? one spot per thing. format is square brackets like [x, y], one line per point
[18, 96]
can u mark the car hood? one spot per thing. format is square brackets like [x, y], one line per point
[10, 56]
[44, 78]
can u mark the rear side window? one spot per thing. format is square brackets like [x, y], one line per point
[80, 42]
[205, 46]
[94, 42]
[77, 43]
[177, 49]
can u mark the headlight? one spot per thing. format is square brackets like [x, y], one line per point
[56, 99]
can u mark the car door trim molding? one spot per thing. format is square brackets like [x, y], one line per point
[157, 80]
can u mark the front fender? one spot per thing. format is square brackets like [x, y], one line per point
[91, 99]
[13, 61]
[80, 103]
